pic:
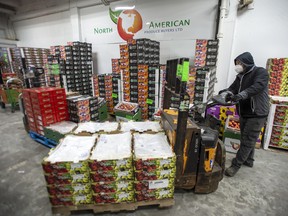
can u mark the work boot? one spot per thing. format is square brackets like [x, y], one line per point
[248, 164]
[231, 171]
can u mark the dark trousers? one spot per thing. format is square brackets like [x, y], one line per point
[250, 129]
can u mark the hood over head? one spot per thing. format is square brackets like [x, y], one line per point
[247, 59]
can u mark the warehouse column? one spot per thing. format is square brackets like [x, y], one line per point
[76, 24]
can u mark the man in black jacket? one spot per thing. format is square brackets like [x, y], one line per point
[250, 92]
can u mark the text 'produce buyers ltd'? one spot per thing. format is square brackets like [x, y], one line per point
[167, 26]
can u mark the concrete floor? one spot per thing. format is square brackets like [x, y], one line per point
[262, 190]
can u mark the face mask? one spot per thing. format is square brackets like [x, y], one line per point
[239, 68]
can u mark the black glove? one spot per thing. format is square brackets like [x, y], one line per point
[236, 98]
[228, 96]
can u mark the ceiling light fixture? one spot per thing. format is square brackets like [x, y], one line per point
[124, 8]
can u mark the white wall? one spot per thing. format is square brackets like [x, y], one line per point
[262, 31]
[45, 31]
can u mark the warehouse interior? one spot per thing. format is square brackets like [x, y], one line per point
[238, 26]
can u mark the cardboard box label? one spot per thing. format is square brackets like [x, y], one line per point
[157, 184]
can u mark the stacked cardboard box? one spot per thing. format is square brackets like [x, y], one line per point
[116, 89]
[162, 81]
[153, 90]
[116, 66]
[135, 59]
[278, 71]
[204, 84]
[124, 68]
[35, 56]
[107, 86]
[44, 106]
[111, 169]
[16, 61]
[191, 83]
[74, 65]
[277, 125]
[5, 65]
[86, 108]
[53, 71]
[206, 53]
[155, 167]
[143, 90]
[66, 171]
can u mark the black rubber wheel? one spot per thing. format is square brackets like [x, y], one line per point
[3, 105]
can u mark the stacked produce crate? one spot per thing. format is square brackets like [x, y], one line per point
[75, 64]
[204, 84]
[16, 61]
[143, 90]
[155, 167]
[206, 53]
[134, 66]
[52, 71]
[66, 171]
[162, 81]
[34, 58]
[191, 83]
[153, 90]
[86, 108]
[5, 65]
[277, 125]
[111, 169]
[116, 66]
[107, 86]
[44, 106]
[116, 88]
[278, 71]
[124, 68]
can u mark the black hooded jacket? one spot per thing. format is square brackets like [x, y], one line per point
[252, 85]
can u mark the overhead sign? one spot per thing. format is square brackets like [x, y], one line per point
[183, 19]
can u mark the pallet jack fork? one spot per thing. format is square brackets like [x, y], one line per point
[200, 154]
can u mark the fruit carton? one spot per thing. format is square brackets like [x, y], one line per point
[105, 165]
[153, 151]
[67, 178]
[233, 124]
[152, 164]
[112, 187]
[114, 197]
[69, 189]
[108, 176]
[155, 174]
[65, 167]
[71, 200]
[61, 200]
[154, 194]
[154, 184]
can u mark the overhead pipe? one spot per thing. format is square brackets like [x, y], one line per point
[221, 17]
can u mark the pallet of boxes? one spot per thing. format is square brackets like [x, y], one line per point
[111, 168]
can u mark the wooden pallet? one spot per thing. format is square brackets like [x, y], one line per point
[112, 207]
[42, 140]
